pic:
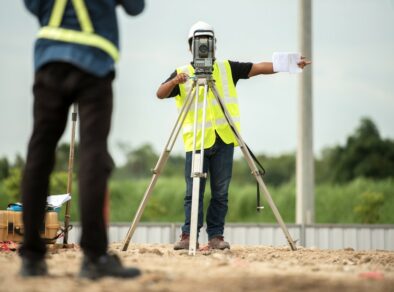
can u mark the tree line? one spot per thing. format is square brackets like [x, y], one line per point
[365, 154]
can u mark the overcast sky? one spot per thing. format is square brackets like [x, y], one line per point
[353, 70]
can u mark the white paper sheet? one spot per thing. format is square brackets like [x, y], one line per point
[286, 62]
[58, 200]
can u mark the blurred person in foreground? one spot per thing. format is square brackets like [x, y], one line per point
[219, 139]
[74, 57]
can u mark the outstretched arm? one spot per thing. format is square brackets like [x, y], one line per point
[268, 68]
[261, 68]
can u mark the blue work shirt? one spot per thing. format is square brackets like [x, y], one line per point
[103, 16]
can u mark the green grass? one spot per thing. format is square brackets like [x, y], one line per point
[334, 203]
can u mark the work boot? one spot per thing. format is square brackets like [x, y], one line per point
[217, 242]
[33, 268]
[183, 243]
[107, 265]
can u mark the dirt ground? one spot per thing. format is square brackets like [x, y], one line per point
[242, 268]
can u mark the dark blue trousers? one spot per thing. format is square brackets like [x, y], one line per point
[218, 163]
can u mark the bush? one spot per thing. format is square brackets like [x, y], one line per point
[11, 185]
[368, 209]
[58, 183]
[336, 203]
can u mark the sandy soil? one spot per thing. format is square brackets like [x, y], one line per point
[239, 269]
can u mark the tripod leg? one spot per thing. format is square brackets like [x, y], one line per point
[253, 167]
[159, 166]
[74, 117]
[195, 205]
[197, 169]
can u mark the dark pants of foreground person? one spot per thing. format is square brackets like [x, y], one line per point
[56, 87]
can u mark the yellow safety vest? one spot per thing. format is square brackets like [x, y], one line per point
[215, 119]
[86, 37]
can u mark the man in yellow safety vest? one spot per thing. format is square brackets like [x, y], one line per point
[75, 52]
[219, 140]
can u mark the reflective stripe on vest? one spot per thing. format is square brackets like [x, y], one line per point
[213, 103]
[215, 120]
[85, 37]
[208, 124]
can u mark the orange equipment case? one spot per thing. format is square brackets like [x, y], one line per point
[11, 226]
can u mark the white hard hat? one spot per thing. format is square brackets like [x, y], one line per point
[200, 25]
